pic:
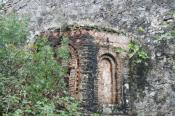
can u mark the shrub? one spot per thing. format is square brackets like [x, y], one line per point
[31, 81]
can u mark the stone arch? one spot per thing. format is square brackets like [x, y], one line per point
[74, 72]
[107, 80]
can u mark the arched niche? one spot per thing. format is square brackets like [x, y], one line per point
[107, 80]
[74, 72]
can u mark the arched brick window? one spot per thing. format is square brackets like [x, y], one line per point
[107, 87]
[74, 76]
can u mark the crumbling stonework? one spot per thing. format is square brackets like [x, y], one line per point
[151, 85]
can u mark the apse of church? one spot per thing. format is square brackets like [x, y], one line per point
[97, 74]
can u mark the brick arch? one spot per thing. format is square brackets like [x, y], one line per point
[107, 79]
[74, 72]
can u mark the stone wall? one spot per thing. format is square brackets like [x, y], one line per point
[151, 86]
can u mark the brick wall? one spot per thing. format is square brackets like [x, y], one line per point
[97, 74]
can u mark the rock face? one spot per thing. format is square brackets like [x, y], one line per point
[152, 86]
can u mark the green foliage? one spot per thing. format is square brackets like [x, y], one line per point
[71, 107]
[31, 81]
[63, 51]
[13, 29]
[136, 52]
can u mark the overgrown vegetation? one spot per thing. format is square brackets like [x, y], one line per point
[135, 52]
[32, 82]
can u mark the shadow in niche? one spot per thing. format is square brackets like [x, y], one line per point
[141, 72]
[138, 79]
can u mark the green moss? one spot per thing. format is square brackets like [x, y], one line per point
[141, 29]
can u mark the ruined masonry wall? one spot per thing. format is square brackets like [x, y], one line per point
[153, 93]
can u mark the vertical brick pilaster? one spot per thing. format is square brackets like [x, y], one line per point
[88, 63]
